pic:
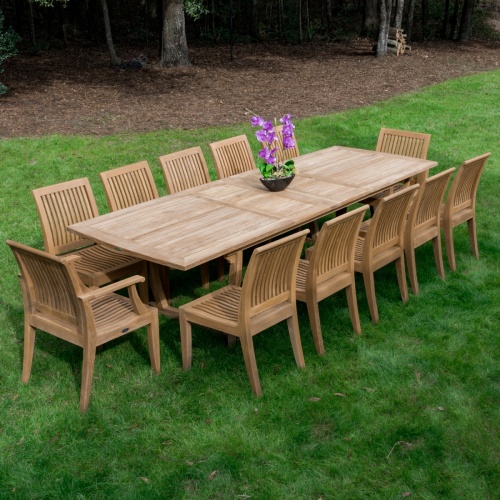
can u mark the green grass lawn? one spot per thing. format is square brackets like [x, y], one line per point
[409, 407]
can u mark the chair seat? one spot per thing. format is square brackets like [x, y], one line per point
[114, 313]
[222, 304]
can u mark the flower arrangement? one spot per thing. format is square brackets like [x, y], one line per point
[272, 165]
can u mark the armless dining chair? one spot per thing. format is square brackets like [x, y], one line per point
[330, 268]
[460, 205]
[232, 156]
[266, 297]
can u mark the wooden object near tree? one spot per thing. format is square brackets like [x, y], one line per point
[423, 224]
[330, 268]
[184, 170]
[129, 185]
[383, 244]
[405, 143]
[232, 156]
[460, 205]
[58, 302]
[71, 202]
[266, 298]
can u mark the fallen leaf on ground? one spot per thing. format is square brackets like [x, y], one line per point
[340, 394]
[314, 399]
[212, 474]
[145, 479]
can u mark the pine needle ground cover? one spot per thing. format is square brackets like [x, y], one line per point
[410, 407]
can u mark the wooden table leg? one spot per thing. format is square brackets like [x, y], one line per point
[160, 290]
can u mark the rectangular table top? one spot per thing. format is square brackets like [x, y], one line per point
[189, 228]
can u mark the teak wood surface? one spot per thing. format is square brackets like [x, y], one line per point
[200, 224]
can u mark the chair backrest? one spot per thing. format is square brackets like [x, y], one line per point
[270, 276]
[61, 205]
[50, 285]
[333, 251]
[232, 156]
[426, 208]
[129, 185]
[403, 142]
[184, 169]
[387, 225]
[282, 153]
[463, 189]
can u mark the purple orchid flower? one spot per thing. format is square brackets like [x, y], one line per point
[268, 155]
[257, 121]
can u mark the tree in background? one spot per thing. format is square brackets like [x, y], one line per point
[174, 44]
[8, 44]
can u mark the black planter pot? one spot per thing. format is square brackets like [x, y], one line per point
[278, 183]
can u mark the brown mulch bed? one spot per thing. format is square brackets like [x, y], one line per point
[75, 91]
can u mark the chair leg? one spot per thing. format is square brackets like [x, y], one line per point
[154, 342]
[438, 255]
[471, 226]
[313, 312]
[205, 275]
[29, 347]
[412, 269]
[87, 375]
[293, 330]
[186, 340]
[250, 362]
[352, 302]
[450, 250]
[144, 286]
[369, 282]
[400, 271]
[220, 269]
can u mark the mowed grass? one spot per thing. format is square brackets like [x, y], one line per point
[411, 406]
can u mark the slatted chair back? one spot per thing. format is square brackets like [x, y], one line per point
[270, 277]
[282, 153]
[129, 185]
[184, 169]
[463, 189]
[50, 285]
[61, 205]
[333, 251]
[232, 156]
[460, 204]
[57, 302]
[423, 223]
[403, 142]
[425, 211]
[386, 229]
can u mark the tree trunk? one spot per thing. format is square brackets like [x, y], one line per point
[409, 27]
[329, 17]
[425, 10]
[444, 26]
[466, 21]
[299, 15]
[383, 27]
[174, 49]
[454, 20]
[399, 14]
[32, 26]
[109, 39]
[370, 17]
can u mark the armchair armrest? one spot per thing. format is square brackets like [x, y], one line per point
[96, 293]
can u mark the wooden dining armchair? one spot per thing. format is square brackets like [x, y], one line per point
[423, 224]
[266, 297]
[460, 205]
[66, 203]
[184, 170]
[128, 185]
[330, 268]
[232, 156]
[405, 143]
[58, 302]
[383, 244]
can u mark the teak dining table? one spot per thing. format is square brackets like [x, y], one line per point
[223, 217]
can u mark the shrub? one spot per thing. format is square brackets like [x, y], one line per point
[8, 42]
